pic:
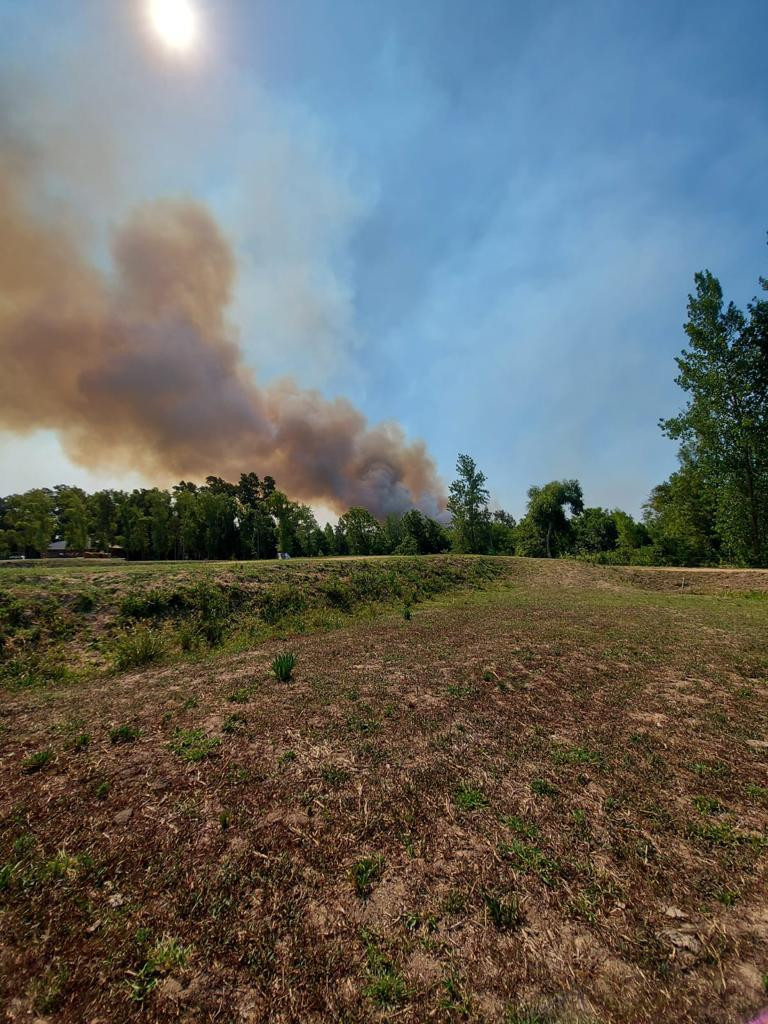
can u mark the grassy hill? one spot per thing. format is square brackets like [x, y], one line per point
[495, 790]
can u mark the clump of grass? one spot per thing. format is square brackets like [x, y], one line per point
[520, 826]
[165, 956]
[577, 756]
[138, 647]
[530, 859]
[240, 696]
[37, 761]
[81, 742]
[488, 676]
[470, 798]
[233, 722]
[193, 744]
[758, 793]
[283, 666]
[386, 986]
[124, 734]
[288, 757]
[83, 602]
[334, 776]
[503, 910]
[542, 787]
[366, 872]
[708, 805]
[102, 790]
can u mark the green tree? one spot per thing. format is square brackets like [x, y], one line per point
[30, 520]
[680, 516]
[546, 516]
[73, 516]
[362, 532]
[594, 531]
[468, 505]
[723, 430]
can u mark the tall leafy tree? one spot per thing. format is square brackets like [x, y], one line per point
[468, 505]
[723, 430]
[546, 514]
[362, 532]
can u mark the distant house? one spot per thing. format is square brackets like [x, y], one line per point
[283, 554]
[59, 549]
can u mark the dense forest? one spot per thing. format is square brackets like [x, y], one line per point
[713, 510]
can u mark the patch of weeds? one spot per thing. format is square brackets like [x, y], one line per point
[456, 690]
[455, 999]
[101, 792]
[334, 776]
[723, 834]
[488, 676]
[708, 805]
[165, 956]
[50, 990]
[728, 897]
[366, 872]
[283, 666]
[363, 721]
[758, 793]
[225, 820]
[503, 910]
[578, 756]
[190, 703]
[193, 744]
[124, 734]
[530, 859]
[80, 743]
[37, 761]
[710, 769]
[411, 921]
[407, 614]
[454, 903]
[386, 986]
[138, 647]
[527, 1015]
[288, 757]
[83, 602]
[542, 787]
[241, 696]
[470, 798]
[520, 826]
[232, 723]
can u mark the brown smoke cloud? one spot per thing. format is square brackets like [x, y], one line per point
[136, 368]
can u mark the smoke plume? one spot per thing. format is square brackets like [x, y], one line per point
[136, 368]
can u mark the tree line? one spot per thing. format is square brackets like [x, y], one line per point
[712, 510]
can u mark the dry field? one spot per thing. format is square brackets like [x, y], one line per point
[497, 790]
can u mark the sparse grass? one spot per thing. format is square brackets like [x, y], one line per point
[366, 872]
[283, 666]
[125, 733]
[37, 761]
[193, 744]
[612, 680]
[470, 798]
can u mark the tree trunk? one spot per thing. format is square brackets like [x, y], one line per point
[549, 534]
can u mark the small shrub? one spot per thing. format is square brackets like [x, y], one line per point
[193, 744]
[84, 603]
[36, 762]
[81, 742]
[102, 790]
[239, 696]
[407, 615]
[283, 666]
[365, 873]
[470, 798]
[165, 956]
[138, 647]
[708, 805]
[504, 911]
[124, 734]
[288, 757]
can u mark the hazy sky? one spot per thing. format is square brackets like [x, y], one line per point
[479, 219]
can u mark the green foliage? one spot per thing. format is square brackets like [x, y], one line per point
[366, 872]
[546, 530]
[722, 497]
[468, 505]
[37, 761]
[363, 533]
[503, 910]
[283, 665]
[470, 798]
[138, 647]
[193, 744]
[124, 734]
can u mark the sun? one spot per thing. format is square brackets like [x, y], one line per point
[175, 23]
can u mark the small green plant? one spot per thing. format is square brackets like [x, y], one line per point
[241, 696]
[529, 858]
[527, 1015]
[81, 742]
[708, 805]
[577, 756]
[165, 956]
[124, 734]
[232, 723]
[520, 826]
[541, 787]
[37, 761]
[758, 793]
[470, 798]
[225, 820]
[503, 910]
[386, 986]
[137, 647]
[488, 676]
[288, 757]
[83, 603]
[102, 790]
[193, 744]
[283, 666]
[454, 903]
[334, 776]
[407, 614]
[366, 872]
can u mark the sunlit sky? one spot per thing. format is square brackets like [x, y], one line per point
[480, 219]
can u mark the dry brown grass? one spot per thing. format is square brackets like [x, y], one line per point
[547, 797]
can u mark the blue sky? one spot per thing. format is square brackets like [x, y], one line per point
[479, 219]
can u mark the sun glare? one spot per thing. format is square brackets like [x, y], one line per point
[175, 23]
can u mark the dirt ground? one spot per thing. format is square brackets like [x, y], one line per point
[541, 802]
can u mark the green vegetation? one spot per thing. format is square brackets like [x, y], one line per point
[193, 744]
[366, 872]
[283, 665]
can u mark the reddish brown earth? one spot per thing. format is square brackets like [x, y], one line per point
[543, 802]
